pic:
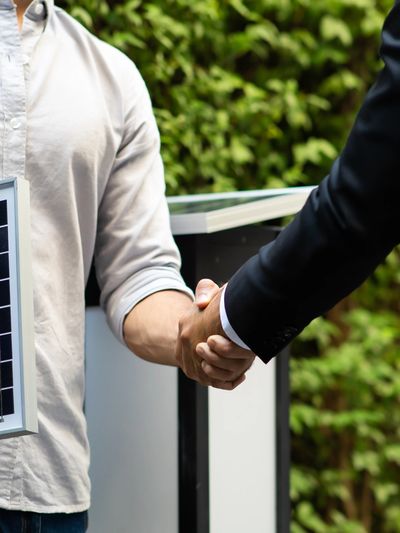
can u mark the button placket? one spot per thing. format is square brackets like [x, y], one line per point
[32, 30]
[2, 120]
[14, 108]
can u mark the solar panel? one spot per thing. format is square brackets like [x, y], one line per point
[18, 408]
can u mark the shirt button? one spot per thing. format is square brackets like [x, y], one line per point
[15, 123]
[39, 9]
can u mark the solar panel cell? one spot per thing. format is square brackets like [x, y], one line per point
[6, 402]
[4, 239]
[5, 320]
[5, 347]
[3, 212]
[4, 293]
[4, 266]
[6, 374]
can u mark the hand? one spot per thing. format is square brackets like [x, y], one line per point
[196, 326]
[222, 359]
[224, 367]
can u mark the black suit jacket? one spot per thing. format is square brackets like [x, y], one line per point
[347, 227]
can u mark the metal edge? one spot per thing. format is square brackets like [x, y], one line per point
[26, 314]
[237, 216]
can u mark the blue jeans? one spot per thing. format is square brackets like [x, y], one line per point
[22, 522]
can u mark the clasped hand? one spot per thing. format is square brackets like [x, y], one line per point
[203, 351]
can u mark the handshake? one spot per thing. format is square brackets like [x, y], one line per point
[203, 351]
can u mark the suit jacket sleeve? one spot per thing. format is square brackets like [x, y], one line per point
[347, 227]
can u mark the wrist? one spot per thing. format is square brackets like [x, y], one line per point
[212, 316]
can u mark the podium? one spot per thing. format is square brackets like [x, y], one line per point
[168, 454]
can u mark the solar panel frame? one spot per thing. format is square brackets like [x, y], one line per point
[18, 364]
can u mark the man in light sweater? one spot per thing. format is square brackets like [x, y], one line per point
[78, 125]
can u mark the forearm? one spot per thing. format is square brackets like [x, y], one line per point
[151, 327]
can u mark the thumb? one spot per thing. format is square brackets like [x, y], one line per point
[205, 291]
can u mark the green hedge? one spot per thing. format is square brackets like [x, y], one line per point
[247, 94]
[345, 415]
[262, 93]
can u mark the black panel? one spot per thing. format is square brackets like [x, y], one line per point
[219, 255]
[4, 239]
[5, 320]
[193, 456]
[6, 402]
[4, 293]
[4, 268]
[6, 374]
[3, 213]
[5, 347]
[283, 441]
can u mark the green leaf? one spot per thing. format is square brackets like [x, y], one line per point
[333, 28]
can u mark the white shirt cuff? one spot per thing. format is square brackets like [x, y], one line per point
[228, 329]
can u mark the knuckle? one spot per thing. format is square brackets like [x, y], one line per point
[211, 358]
[183, 334]
[207, 369]
[190, 374]
[212, 373]
[226, 349]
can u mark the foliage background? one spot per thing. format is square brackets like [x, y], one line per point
[262, 93]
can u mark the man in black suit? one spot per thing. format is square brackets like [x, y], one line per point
[348, 226]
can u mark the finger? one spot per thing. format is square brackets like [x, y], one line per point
[213, 365]
[217, 373]
[222, 385]
[229, 385]
[214, 372]
[238, 381]
[234, 366]
[205, 291]
[226, 348]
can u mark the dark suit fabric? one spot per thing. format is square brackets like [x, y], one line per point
[347, 227]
